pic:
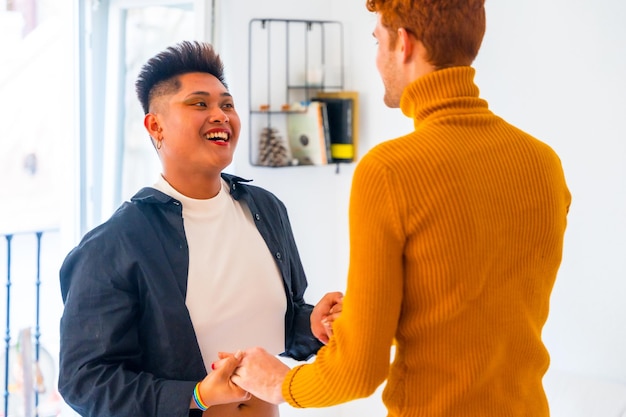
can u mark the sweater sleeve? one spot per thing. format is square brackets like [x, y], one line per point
[356, 359]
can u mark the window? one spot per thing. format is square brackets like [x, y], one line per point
[36, 112]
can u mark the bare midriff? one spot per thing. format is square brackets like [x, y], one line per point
[254, 407]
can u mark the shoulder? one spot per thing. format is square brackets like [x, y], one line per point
[134, 217]
[380, 161]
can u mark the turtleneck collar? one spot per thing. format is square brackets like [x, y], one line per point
[449, 87]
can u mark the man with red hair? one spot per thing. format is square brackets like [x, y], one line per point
[456, 237]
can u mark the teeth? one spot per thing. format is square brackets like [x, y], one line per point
[217, 136]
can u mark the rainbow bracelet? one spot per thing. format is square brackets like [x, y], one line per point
[196, 398]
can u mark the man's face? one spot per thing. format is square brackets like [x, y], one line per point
[199, 126]
[386, 62]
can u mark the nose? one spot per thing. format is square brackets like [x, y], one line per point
[218, 116]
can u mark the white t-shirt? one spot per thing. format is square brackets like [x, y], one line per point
[235, 293]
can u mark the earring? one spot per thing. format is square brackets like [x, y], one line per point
[160, 139]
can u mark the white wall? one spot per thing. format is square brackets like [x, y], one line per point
[554, 68]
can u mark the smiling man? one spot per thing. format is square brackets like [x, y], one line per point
[199, 263]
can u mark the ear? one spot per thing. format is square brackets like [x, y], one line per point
[405, 44]
[152, 125]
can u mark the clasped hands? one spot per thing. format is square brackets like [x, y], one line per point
[257, 372]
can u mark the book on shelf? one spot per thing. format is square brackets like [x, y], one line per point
[343, 114]
[339, 111]
[309, 138]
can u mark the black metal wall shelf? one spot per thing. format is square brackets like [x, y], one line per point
[290, 62]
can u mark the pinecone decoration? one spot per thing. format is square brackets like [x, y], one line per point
[273, 151]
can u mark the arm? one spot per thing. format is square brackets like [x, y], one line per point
[101, 358]
[118, 357]
[356, 359]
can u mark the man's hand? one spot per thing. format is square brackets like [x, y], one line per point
[217, 387]
[262, 375]
[324, 313]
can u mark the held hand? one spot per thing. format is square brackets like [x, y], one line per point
[261, 374]
[324, 314]
[217, 387]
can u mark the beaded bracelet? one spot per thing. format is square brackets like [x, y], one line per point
[196, 398]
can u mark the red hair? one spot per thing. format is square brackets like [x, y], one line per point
[451, 30]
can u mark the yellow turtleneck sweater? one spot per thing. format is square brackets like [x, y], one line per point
[456, 236]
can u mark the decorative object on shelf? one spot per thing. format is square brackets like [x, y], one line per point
[273, 150]
[309, 140]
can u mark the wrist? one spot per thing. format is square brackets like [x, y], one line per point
[197, 399]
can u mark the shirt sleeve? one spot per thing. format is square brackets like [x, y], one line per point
[100, 372]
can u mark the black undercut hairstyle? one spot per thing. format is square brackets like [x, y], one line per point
[160, 74]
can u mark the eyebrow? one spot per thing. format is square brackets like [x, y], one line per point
[206, 93]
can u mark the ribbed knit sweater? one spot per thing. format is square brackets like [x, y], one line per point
[456, 237]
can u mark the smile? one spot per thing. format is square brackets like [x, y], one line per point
[218, 136]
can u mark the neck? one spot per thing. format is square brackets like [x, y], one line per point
[196, 188]
[419, 64]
